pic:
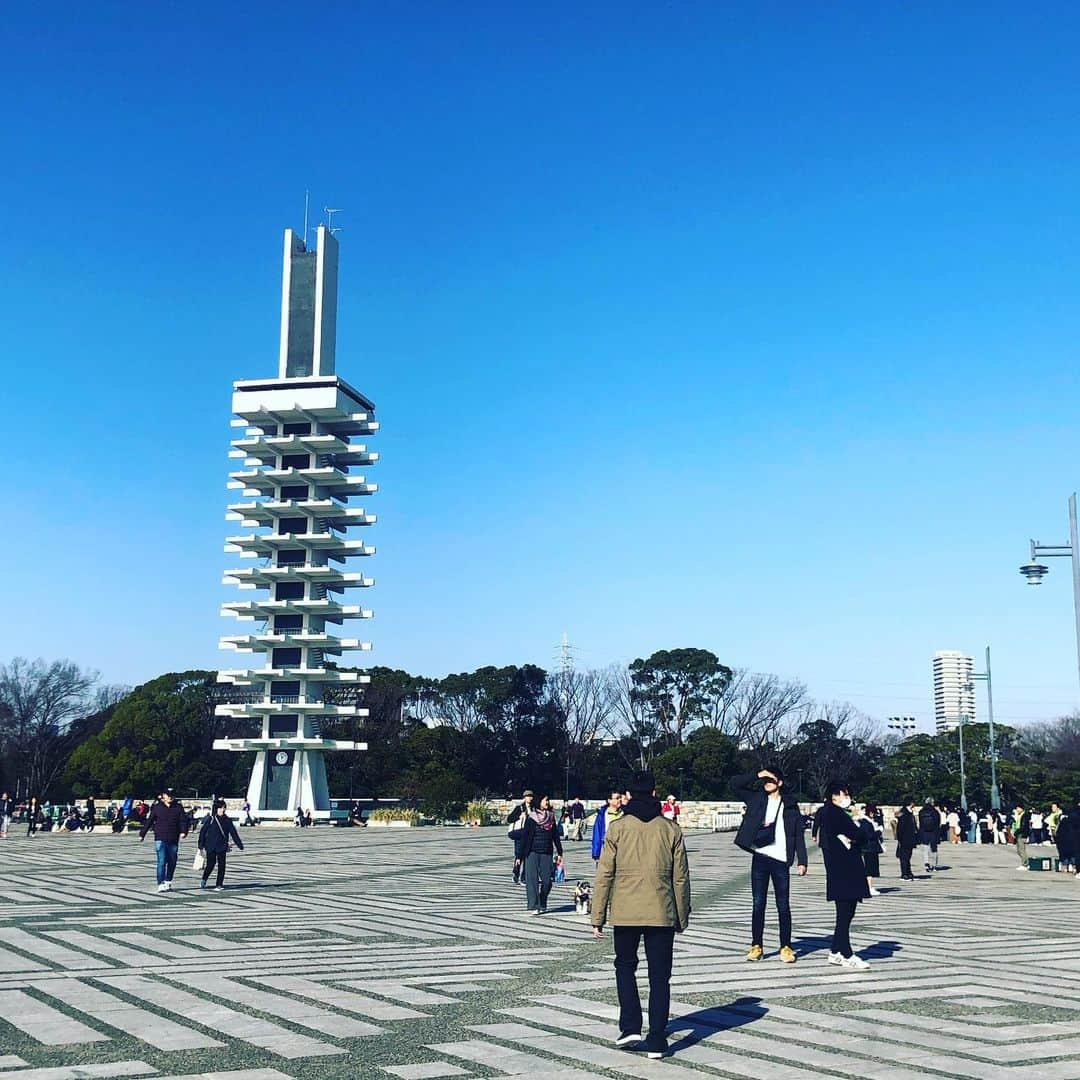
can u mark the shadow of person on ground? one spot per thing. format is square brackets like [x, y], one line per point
[691, 1028]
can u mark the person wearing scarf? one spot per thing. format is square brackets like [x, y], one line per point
[537, 845]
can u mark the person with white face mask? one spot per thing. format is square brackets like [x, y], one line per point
[845, 876]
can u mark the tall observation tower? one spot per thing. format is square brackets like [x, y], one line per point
[298, 481]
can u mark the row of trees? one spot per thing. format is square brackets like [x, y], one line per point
[493, 731]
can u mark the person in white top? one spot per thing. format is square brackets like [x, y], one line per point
[772, 831]
[953, 820]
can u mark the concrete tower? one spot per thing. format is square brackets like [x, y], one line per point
[298, 478]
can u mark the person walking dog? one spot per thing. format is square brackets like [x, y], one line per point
[642, 889]
[217, 834]
[773, 831]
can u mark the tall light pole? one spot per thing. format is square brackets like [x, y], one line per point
[995, 794]
[963, 779]
[1035, 571]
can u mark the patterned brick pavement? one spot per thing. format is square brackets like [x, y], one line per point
[406, 953]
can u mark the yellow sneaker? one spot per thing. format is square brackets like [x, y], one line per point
[756, 952]
[787, 954]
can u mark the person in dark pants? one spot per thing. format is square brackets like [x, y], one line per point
[33, 816]
[930, 833]
[515, 823]
[537, 845]
[91, 814]
[907, 836]
[642, 889]
[772, 830]
[170, 824]
[217, 833]
[845, 874]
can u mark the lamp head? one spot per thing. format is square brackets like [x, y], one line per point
[1034, 572]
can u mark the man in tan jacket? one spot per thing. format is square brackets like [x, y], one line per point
[643, 890]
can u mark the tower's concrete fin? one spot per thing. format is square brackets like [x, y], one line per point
[308, 306]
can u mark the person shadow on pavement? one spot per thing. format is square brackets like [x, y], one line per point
[692, 1028]
[806, 946]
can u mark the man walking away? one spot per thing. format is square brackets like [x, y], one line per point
[929, 833]
[91, 814]
[642, 889]
[772, 831]
[515, 824]
[170, 825]
[906, 836]
[577, 819]
[1021, 830]
[604, 817]
[7, 812]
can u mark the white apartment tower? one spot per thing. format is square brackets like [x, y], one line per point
[954, 691]
[298, 483]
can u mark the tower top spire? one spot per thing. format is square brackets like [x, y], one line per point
[308, 305]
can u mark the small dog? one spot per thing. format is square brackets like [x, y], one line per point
[583, 898]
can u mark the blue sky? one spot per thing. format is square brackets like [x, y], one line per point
[749, 327]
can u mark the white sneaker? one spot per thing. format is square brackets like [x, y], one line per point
[854, 963]
[163, 887]
[168, 886]
[835, 959]
[1021, 868]
[874, 892]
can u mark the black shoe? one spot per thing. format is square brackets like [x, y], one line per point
[655, 1050]
[628, 1038]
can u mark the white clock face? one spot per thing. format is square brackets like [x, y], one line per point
[281, 757]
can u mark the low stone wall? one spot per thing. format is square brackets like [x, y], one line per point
[715, 816]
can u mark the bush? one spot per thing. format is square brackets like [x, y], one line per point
[395, 814]
[478, 811]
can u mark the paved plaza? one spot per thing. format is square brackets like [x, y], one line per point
[406, 953]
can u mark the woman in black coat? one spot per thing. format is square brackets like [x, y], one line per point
[845, 875]
[537, 844]
[1067, 839]
[216, 836]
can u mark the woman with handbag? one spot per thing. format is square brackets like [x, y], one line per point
[536, 847]
[216, 837]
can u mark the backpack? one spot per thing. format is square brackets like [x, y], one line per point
[928, 819]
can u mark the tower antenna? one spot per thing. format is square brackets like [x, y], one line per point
[307, 195]
[331, 228]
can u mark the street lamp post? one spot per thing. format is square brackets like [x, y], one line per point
[963, 778]
[1035, 571]
[995, 793]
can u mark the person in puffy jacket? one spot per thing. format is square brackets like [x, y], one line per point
[169, 822]
[538, 842]
[218, 832]
[604, 817]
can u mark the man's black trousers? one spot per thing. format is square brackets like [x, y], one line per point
[659, 943]
[762, 871]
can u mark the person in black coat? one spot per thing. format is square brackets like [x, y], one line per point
[1067, 838]
[217, 833]
[907, 837]
[845, 875]
[536, 846]
[773, 831]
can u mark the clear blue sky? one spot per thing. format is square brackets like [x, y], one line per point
[751, 327]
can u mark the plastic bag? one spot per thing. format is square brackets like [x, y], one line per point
[560, 872]
[199, 862]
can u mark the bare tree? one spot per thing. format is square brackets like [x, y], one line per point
[629, 720]
[757, 710]
[584, 702]
[40, 701]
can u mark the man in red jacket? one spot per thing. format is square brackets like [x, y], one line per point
[170, 824]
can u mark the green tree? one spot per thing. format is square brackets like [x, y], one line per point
[160, 734]
[676, 688]
[700, 768]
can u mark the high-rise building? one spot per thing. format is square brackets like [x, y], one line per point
[297, 478]
[954, 691]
